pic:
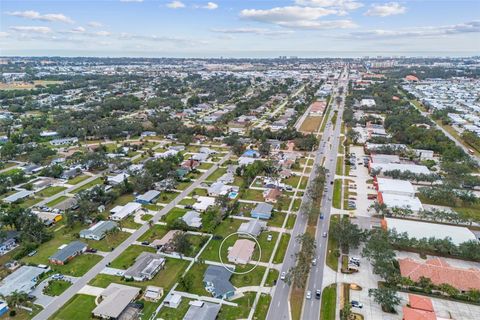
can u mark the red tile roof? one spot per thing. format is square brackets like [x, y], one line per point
[411, 78]
[415, 314]
[420, 302]
[439, 271]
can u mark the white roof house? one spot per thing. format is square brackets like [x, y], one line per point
[192, 219]
[18, 196]
[114, 180]
[203, 203]
[419, 230]
[395, 186]
[23, 279]
[367, 103]
[400, 201]
[116, 297]
[253, 227]
[121, 212]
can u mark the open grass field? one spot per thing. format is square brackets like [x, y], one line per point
[79, 308]
[240, 312]
[282, 248]
[127, 258]
[217, 174]
[88, 185]
[56, 287]
[18, 85]
[174, 214]
[337, 194]
[277, 219]
[78, 266]
[328, 308]
[56, 201]
[311, 124]
[172, 313]
[110, 241]
[332, 247]
[155, 232]
[262, 307]
[78, 179]
[50, 191]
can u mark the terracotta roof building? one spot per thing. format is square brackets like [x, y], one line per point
[439, 271]
[419, 308]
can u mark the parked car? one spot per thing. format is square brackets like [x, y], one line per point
[309, 295]
[145, 243]
[31, 254]
[57, 276]
[324, 235]
[91, 250]
[314, 262]
[318, 293]
[283, 275]
[269, 237]
[356, 304]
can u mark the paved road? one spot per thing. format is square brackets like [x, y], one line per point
[311, 308]
[279, 307]
[70, 292]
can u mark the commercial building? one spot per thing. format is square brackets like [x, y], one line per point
[24, 279]
[419, 229]
[385, 158]
[439, 271]
[216, 280]
[146, 266]
[114, 300]
[419, 308]
[241, 252]
[121, 212]
[98, 230]
[68, 252]
[400, 201]
[394, 186]
[402, 167]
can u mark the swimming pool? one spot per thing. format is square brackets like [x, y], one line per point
[233, 195]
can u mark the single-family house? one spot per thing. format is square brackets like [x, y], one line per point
[201, 310]
[148, 197]
[272, 195]
[252, 227]
[8, 241]
[17, 196]
[114, 301]
[121, 212]
[146, 266]
[192, 219]
[117, 179]
[262, 211]
[24, 279]
[216, 280]
[98, 230]
[241, 252]
[68, 252]
[203, 203]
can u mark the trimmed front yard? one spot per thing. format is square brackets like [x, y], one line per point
[80, 307]
[127, 258]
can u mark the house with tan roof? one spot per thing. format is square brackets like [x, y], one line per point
[439, 271]
[241, 252]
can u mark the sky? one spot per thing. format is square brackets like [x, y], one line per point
[239, 28]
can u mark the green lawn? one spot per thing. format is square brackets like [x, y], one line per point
[205, 165]
[253, 195]
[328, 308]
[282, 248]
[155, 232]
[339, 169]
[337, 194]
[121, 201]
[196, 273]
[110, 241]
[178, 313]
[271, 277]
[267, 246]
[56, 287]
[217, 174]
[183, 185]
[187, 201]
[292, 181]
[262, 307]
[174, 214]
[167, 197]
[225, 228]
[276, 220]
[88, 185]
[56, 201]
[79, 308]
[198, 192]
[30, 201]
[332, 247]
[79, 265]
[240, 312]
[50, 191]
[78, 179]
[127, 258]
[296, 204]
[291, 221]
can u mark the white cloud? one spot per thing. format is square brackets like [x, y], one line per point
[34, 15]
[421, 32]
[31, 29]
[385, 10]
[131, 0]
[78, 30]
[4, 34]
[211, 6]
[258, 31]
[298, 17]
[176, 5]
[347, 5]
[95, 24]
[102, 33]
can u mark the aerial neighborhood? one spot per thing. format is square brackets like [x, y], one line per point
[286, 188]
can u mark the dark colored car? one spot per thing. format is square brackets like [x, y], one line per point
[318, 293]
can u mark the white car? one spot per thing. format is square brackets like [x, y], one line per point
[269, 237]
[309, 295]
[283, 275]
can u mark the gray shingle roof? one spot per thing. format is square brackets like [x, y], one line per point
[208, 311]
[220, 277]
[70, 250]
